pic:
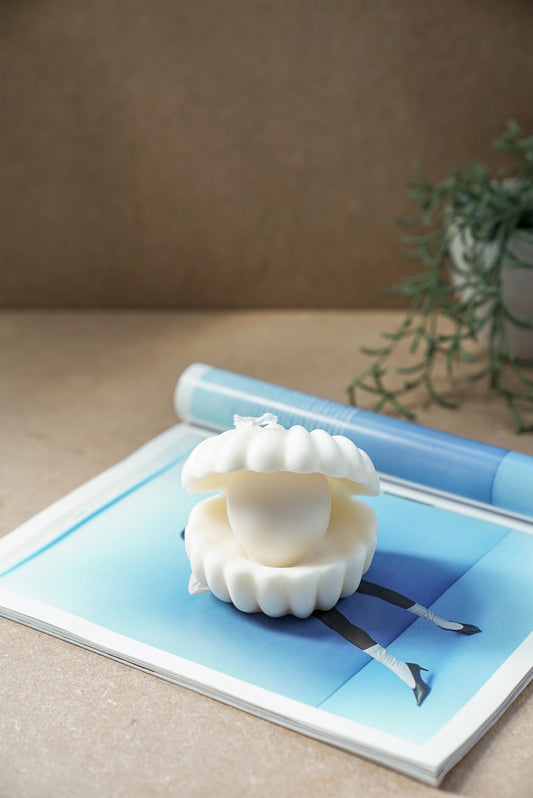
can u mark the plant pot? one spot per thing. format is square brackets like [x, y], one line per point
[516, 285]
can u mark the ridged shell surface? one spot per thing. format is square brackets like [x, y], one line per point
[274, 448]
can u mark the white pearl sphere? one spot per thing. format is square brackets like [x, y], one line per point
[278, 517]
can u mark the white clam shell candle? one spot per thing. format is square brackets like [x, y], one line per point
[284, 534]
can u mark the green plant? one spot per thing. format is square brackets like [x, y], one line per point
[442, 323]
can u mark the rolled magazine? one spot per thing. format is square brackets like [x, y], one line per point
[403, 450]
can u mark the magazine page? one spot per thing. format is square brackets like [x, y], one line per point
[107, 568]
[446, 463]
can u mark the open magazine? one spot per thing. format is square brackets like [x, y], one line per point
[106, 568]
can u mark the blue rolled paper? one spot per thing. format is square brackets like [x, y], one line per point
[402, 449]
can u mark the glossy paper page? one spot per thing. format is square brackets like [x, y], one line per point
[125, 569]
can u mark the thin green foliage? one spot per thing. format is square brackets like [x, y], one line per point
[480, 209]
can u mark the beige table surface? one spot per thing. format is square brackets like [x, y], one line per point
[78, 392]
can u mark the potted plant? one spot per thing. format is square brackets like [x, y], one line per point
[472, 301]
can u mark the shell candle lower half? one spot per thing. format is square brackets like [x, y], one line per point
[332, 570]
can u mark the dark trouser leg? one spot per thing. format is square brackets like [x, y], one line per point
[392, 597]
[336, 621]
[408, 672]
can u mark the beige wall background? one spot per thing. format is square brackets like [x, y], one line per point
[240, 153]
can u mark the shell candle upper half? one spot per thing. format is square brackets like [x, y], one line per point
[284, 534]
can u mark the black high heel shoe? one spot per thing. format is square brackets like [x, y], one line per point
[421, 689]
[469, 629]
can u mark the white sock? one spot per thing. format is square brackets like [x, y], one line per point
[423, 612]
[196, 587]
[392, 663]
